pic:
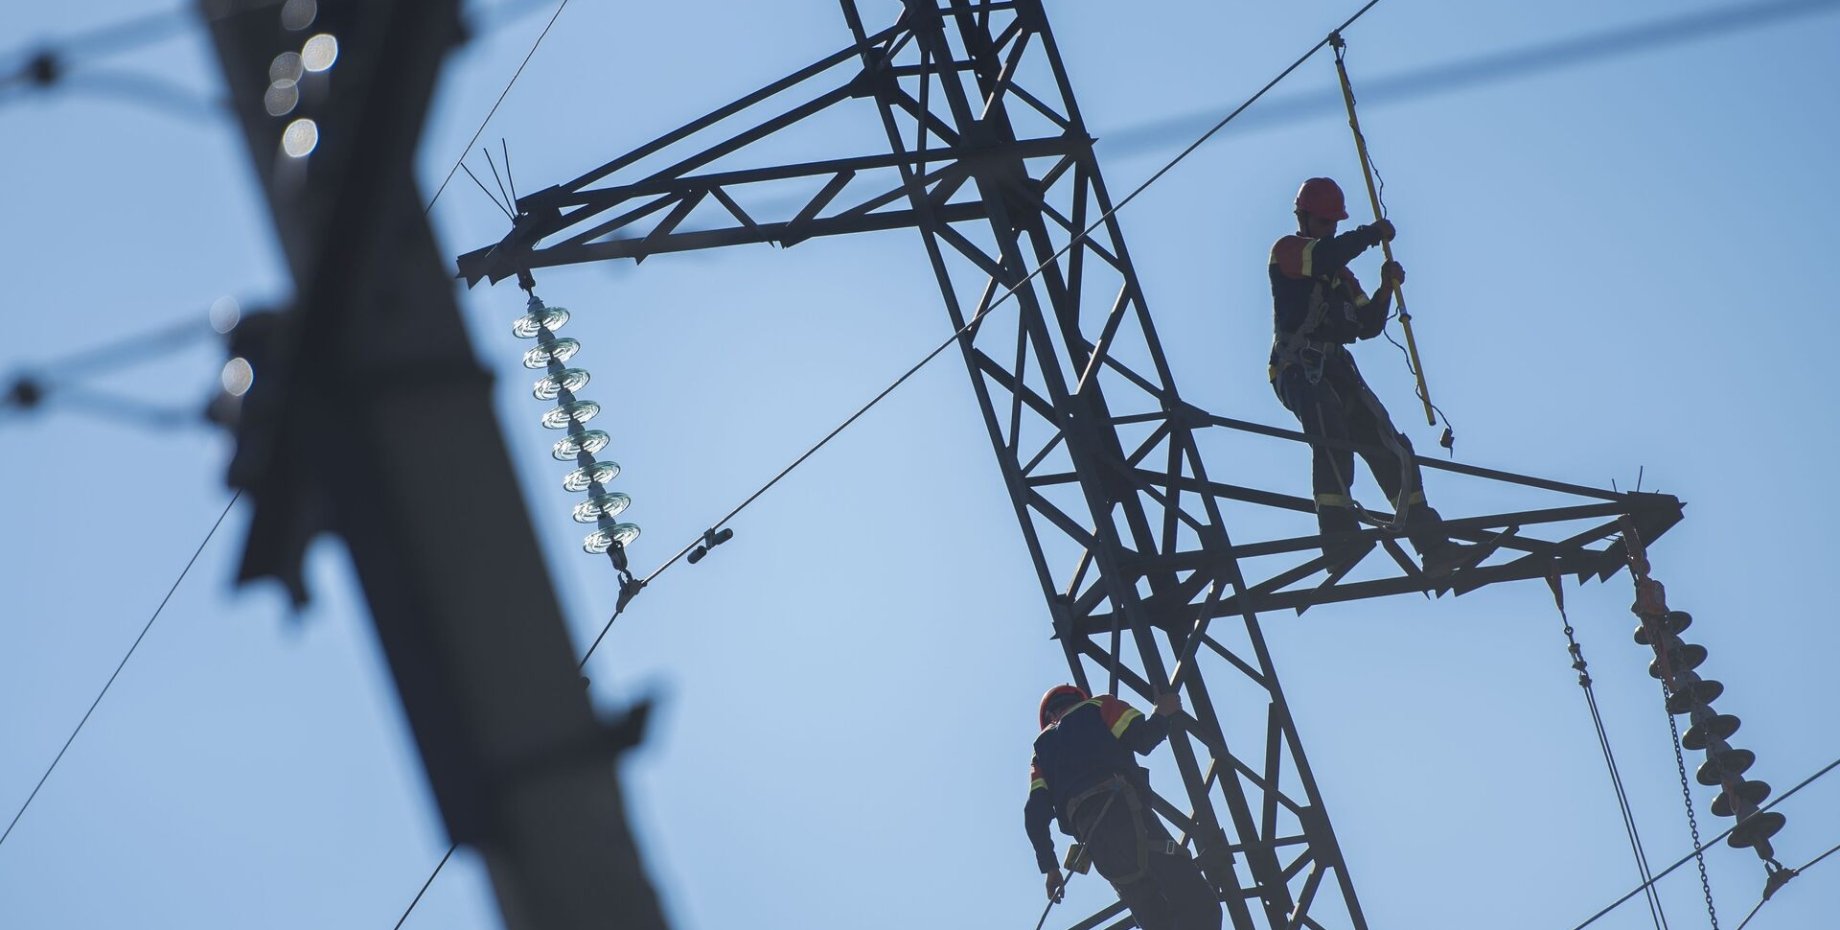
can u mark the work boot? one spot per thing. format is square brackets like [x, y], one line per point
[1440, 557]
[1331, 521]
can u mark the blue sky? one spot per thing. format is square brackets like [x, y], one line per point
[1616, 268]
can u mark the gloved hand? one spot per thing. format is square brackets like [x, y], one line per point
[1057, 885]
[1392, 274]
[1169, 702]
[1384, 230]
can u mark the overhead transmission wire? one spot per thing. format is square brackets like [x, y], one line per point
[1657, 915]
[629, 592]
[1779, 878]
[495, 104]
[458, 164]
[1697, 850]
[120, 665]
[992, 305]
[44, 67]
[47, 64]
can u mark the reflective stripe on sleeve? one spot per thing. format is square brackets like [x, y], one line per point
[1124, 720]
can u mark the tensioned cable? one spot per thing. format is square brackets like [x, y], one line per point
[123, 664]
[1655, 912]
[1790, 873]
[501, 99]
[425, 211]
[994, 304]
[1709, 844]
[956, 335]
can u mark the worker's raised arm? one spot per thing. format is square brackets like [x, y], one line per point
[1036, 816]
[1304, 257]
[1131, 727]
[1372, 313]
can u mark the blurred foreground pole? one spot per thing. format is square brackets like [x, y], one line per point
[371, 419]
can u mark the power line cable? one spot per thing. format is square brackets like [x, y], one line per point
[1708, 845]
[121, 665]
[1492, 68]
[495, 104]
[999, 300]
[1780, 877]
[49, 64]
[630, 590]
[1655, 911]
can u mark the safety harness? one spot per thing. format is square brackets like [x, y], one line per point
[1114, 788]
[1296, 347]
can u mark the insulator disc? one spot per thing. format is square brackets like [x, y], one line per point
[1756, 829]
[588, 440]
[1718, 726]
[561, 350]
[580, 411]
[1692, 695]
[1673, 622]
[602, 540]
[602, 472]
[1685, 659]
[1750, 794]
[611, 504]
[539, 318]
[1729, 762]
[568, 379]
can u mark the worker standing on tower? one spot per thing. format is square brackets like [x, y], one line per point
[1319, 309]
[1084, 775]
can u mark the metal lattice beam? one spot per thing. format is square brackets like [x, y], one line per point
[368, 379]
[984, 152]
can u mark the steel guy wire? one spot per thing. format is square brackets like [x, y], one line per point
[121, 665]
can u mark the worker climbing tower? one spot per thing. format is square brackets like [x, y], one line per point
[1121, 485]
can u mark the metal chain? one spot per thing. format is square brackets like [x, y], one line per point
[1686, 794]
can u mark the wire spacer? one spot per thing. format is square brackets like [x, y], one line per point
[712, 538]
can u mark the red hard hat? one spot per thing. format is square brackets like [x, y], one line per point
[1322, 198]
[1056, 697]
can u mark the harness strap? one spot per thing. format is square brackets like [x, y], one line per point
[1114, 787]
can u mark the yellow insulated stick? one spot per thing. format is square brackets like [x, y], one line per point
[1373, 198]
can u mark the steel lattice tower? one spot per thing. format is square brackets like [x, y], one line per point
[985, 153]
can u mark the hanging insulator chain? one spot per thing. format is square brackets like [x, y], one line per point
[1689, 695]
[579, 444]
[1686, 798]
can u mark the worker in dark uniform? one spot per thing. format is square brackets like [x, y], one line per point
[1084, 774]
[1319, 309]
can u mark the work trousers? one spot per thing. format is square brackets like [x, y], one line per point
[1155, 878]
[1339, 405]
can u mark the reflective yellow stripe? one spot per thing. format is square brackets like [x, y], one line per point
[1309, 251]
[1333, 500]
[1130, 714]
[1416, 497]
[1360, 300]
[1037, 785]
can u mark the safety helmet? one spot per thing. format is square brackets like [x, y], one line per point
[1058, 697]
[1322, 198]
